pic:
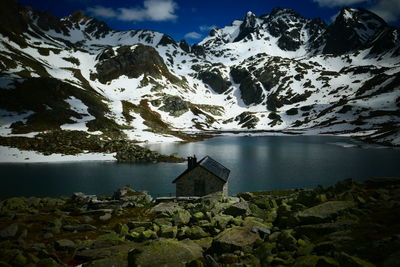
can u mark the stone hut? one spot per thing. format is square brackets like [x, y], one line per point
[202, 178]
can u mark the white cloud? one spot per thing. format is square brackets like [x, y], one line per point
[193, 35]
[333, 3]
[389, 10]
[204, 28]
[100, 11]
[152, 10]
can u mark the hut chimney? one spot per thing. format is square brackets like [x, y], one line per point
[192, 162]
[189, 160]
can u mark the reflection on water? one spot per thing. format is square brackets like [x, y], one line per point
[256, 163]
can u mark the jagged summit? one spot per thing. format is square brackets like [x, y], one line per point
[280, 11]
[247, 27]
[352, 30]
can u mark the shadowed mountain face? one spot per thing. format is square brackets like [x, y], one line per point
[279, 71]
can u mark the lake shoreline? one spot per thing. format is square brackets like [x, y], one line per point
[339, 225]
[15, 155]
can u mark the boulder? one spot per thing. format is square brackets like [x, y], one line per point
[105, 217]
[196, 232]
[213, 198]
[14, 257]
[235, 238]
[238, 209]
[263, 229]
[14, 205]
[47, 262]
[121, 229]
[198, 215]
[169, 207]
[221, 221]
[205, 242]
[325, 248]
[181, 216]
[86, 219]
[163, 221]
[81, 198]
[285, 216]
[324, 212]
[168, 231]
[119, 259]
[166, 252]
[353, 261]
[308, 198]
[148, 234]
[135, 224]
[126, 193]
[64, 244]
[9, 231]
[316, 230]
[55, 226]
[314, 261]
[392, 260]
[286, 241]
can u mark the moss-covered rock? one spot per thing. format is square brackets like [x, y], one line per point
[167, 252]
[314, 261]
[64, 244]
[168, 231]
[324, 212]
[14, 205]
[238, 209]
[221, 221]
[196, 232]
[181, 216]
[9, 231]
[235, 238]
[349, 260]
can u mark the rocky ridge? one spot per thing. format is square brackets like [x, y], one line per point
[274, 72]
[348, 224]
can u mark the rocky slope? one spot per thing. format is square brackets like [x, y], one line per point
[279, 71]
[348, 224]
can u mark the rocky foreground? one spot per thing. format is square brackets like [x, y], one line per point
[348, 224]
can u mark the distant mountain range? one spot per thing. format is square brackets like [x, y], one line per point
[278, 71]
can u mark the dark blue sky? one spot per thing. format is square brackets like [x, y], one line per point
[191, 20]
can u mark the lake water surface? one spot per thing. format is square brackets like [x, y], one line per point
[256, 163]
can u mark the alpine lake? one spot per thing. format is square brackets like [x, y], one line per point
[256, 163]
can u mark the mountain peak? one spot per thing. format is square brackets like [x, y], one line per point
[352, 29]
[278, 11]
[250, 14]
[77, 16]
[359, 16]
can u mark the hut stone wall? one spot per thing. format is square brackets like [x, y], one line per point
[199, 182]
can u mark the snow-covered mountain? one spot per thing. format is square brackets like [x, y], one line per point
[278, 71]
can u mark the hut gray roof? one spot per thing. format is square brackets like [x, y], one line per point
[212, 166]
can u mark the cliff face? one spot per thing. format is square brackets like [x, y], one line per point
[343, 225]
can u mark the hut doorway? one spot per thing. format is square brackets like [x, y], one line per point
[199, 187]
